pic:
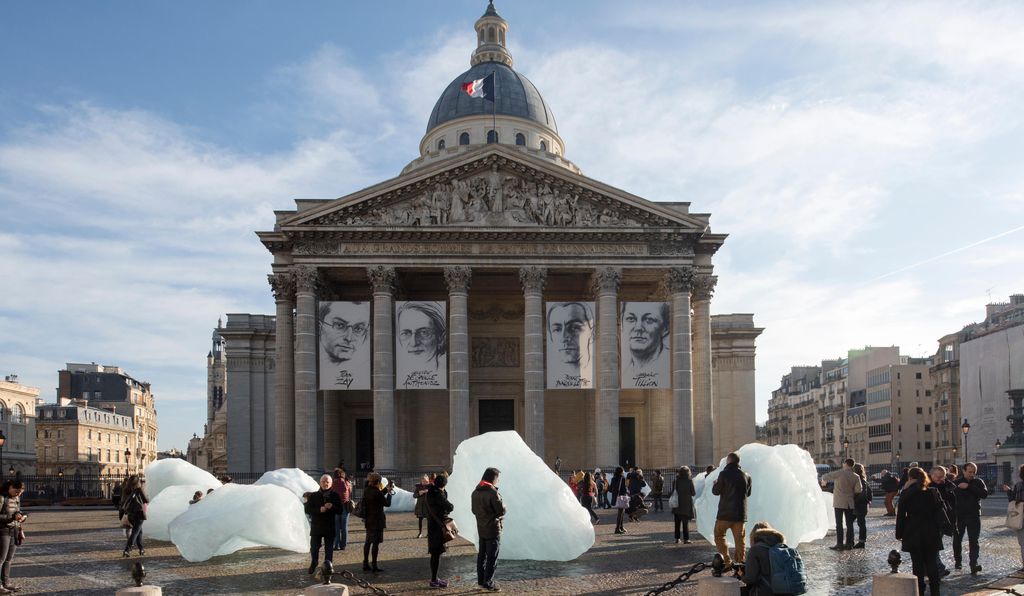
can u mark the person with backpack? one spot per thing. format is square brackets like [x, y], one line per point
[861, 502]
[947, 490]
[683, 512]
[733, 488]
[11, 533]
[772, 568]
[133, 506]
[970, 490]
[919, 517]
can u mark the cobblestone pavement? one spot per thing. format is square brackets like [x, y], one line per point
[79, 552]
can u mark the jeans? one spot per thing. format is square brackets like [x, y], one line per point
[135, 537]
[314, 549]
[972, 525]
[848, 515]
[487, 561]
[1020, 542]
[684, 523]
[7, 550]
[862, 526]
[739, 535]
[924, 567]
[341, 529]
[588, 502]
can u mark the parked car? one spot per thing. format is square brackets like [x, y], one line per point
[822, 470]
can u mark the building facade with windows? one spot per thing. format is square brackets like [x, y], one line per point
[209, 452]
[76, 439]
[18, 425]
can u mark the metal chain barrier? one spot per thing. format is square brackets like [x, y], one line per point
[362, 583]
[1010, 591]
[682, 578]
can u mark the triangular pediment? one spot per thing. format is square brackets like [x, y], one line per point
[493, 187]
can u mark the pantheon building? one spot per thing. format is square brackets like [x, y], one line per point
[491, 285]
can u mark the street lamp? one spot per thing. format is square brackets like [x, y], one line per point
[897, 459]
[998, 444]
[127, 459]
[846, 446]
[966, 427]
[60, 476]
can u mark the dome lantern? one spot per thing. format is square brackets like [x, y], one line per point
[491, 31]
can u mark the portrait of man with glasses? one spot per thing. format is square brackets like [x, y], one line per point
[345, 354]
[421, 345]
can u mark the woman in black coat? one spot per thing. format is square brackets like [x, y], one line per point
[322, 507]
[133, 506]
[436, 507]
[861, 502]
[617, 488]
[684, 510]
[375, 499]
[917, 525]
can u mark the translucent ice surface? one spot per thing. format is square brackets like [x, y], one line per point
[784, 492]
[173, 472]
[293, 479]
[163, 508]
[237, 516]
[402, 500]
[544, 521]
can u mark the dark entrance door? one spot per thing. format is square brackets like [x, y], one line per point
[497, 414]
[627, 442]
[364, 444]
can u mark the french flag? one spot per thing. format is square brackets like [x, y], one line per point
[481, 87]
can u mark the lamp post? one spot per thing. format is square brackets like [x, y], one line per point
[60, 481]
[3, 440]
[127, 460]
[954, 454]
[998, 444]
[846, 447]
[897, 460]
[966, 427]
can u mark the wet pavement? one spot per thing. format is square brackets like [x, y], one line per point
[79, 552]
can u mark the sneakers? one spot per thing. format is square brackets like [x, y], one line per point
[438, 583]
[859, 545]
[958, 566]
[493, 587]
[677, 541]
[975, 569]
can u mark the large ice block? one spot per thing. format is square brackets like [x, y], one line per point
[237, 516]
[784, 492]
[293, 479]
[402, 500]
[163, 508]
[544, 521]
[174, 472]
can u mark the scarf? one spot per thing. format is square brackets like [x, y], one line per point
[485, 483]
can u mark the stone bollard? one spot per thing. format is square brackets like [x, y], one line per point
[894, 584]
[718, 586]
[140, 591]
[325, 589]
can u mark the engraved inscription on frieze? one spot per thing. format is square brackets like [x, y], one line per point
[495, 352]
[329, 247]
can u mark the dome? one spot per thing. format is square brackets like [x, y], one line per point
[515, 96]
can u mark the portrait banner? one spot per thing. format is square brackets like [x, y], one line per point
[345, 353]
[421, 345]
[644, 336]
[570, 345]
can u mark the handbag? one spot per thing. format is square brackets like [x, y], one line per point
[622, 502]
[125, 523]
[19, 537]
[1015, 515]
[359, 511]
[448, 528]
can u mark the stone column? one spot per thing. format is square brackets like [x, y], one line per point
[703, 413]
[678, 282]
[306, 281]
[606, 428]
[332, 428]
[283, 286]
[382, 279]
[533, 279]
[458, 279]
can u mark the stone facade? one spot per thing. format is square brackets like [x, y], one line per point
[210, 451]
[18, 424]
[76, 439]
[250, 426]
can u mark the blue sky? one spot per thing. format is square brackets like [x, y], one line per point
[867, 160]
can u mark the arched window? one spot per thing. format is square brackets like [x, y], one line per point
[543, 146]
[481, 36]
[492, 136]
[520, 139]
[5, 414]
[501, 36]
[18, 414]
[490, 34]
[440, 145]
[464, 138]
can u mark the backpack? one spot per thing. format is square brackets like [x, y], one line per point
[788, 576]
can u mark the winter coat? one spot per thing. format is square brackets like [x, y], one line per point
[374, 502]
[134, 505]
[420, 492]
[968, 500]
[436, 507]
[657, 486]
[684, 492]
[847, 485]
[733, 488]
[916, 520]
[758, 571]
[947, 490]
[862, 500]
[890, 484]
[636, 485]
[489, 511]
[322, 524]
[617, 486]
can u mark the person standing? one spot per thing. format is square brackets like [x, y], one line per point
[890, 486]
[10, 528]
[916, 514]
[322, 507]
[617, 488]
[558, 466]
[375, 499]
[437, 507]
[588, 491]
[420, 493]
[947, 490]
[970, 490]
[133, 506]
[733, 487]
[861, 502]
[602, 488]
[847, 485]
[683, 511]
[657, 490]
[1016, 495]
[344, 490]
[489, 511]
[607, 491]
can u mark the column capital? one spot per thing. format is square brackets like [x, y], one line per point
[283, 286]
[307, 278]
[382, 278]
[703, 286]
[458, 278]
[679, 279]
[606, 280]
[533, 278]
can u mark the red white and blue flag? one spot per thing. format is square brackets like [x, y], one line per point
[481, 87]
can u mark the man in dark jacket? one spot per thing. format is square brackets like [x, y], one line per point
[322, 506]
[890, 486]
[489, 511]
[947, 490]
[732, 488]
[970, 490]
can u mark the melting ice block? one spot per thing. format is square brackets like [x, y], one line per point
[402, 500]
[174, 472]
[293, 479]
[544, 521]
[236, 516]
[784, 492]
[169, 504]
